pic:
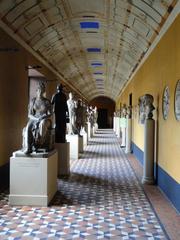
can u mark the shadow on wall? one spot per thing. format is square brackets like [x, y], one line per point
[106, 108]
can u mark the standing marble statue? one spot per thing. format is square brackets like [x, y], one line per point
[79, 116]
[61, 112]
[95, 113]
[38, 135]
[71, 103]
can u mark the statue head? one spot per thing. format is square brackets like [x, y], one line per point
[59, 87]
[70, 95]
[41, 89]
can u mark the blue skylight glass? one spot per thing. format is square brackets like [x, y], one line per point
[96, 64]
[93, 49]
[89, 25]
[98, 73]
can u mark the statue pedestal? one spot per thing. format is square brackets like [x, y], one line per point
[74, 146]
[148, 166]
[123, 143]
[90, 132]
[114, 124]
[33, 180]
[95, 128]
[118, 127]
[63, 150]
[128, 135]
[81, 145]
[85, 139]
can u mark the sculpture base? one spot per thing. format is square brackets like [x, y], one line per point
[81, 145]
[63, 150]
[85, 139]
[95, 128]
[33, 181]
[149, 181]
[74, 146]
[90, 131]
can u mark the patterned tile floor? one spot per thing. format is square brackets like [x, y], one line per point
[102, 199]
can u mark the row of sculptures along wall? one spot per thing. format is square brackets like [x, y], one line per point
[39, 133]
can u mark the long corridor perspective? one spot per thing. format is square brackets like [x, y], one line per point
[102, 199]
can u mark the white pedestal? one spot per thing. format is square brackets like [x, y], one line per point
[63, 150]
[123, 144]
[114, 124]
[33, 181]
[128, 135]
[85, 139]
[90, 132]
[81, 145]
[118, 127]
[74, 146]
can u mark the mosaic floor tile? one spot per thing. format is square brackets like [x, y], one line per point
[102, 199]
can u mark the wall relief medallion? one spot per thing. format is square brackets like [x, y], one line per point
[177, 101]
[165, 102]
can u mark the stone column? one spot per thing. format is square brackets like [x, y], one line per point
[123, 131]
[149, 132]
[148, 168]
[128, 130]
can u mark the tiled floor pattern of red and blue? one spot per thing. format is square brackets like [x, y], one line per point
[102, 199]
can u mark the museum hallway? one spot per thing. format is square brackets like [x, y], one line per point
[102, 199]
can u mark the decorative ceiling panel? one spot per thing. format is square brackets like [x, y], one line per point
[96, 45]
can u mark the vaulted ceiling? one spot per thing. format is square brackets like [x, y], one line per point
[94, 45]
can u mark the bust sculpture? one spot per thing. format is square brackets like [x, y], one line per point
[59, 101]
[146, 107]
[71, 103]
[38, 135]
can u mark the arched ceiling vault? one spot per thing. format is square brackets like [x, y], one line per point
[94, 45]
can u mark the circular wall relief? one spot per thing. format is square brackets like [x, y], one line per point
[177, 101]
[165, 102]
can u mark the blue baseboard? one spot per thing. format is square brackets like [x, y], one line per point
[169, 186]
[166, 183]
[138, 153]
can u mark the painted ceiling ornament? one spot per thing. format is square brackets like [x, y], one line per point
[177, 101]
[165, 102]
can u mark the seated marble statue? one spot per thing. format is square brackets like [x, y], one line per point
[38, 134]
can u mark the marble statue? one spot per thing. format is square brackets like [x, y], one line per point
[146, 107]
[95, 115]
[79, 116]
[90, 116]
[38, 134]
[59, 101]
[129, 112]
[72, 105]
[123, 111]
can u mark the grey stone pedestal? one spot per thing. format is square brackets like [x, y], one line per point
[63, 150]
[148, 167]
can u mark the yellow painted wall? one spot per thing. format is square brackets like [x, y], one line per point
[160, 69]
[14, 94]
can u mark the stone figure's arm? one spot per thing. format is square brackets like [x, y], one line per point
[49, 111]
[31, 110]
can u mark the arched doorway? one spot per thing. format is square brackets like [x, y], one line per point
[106, 108]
